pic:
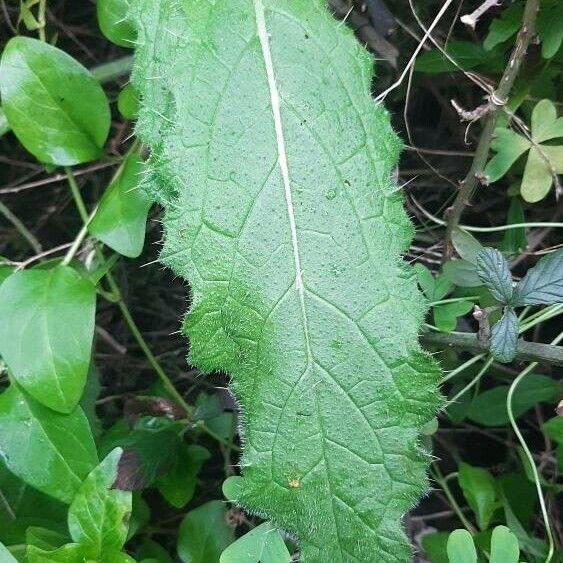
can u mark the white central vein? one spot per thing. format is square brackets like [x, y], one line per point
[282, 153]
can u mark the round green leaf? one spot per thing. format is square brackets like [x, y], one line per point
[504, 546]
[50, 451]
[114, 23]
[122, 214]
[128, 102]
[204, 533]
[55, 107]
[232, 487]
[461, 548]
[48, 338]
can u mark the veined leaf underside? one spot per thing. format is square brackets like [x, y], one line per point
[274, 168]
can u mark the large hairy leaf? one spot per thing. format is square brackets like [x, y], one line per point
[274, 166]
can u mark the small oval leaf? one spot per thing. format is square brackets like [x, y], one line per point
[55, 107]
[59, 449]
[48, 338]
[461, 548]
[122, 214]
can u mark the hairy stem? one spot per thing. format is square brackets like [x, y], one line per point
[497, 101]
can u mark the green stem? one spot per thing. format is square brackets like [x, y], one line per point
[471, 384]
[41, 19]
[166, 382]
[528, 453]
[114, 287]
[200, 424]
[439, 478]
[461, 368]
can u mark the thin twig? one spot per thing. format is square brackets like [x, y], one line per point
[528, 351]
[498, 100]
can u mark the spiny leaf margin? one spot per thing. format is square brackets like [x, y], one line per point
[370, 389]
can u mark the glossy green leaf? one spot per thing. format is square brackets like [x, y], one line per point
[445, 316]
[178, 484]
[542, 284]
[505, 27]
[45, 538]
[461, 548]
[59, 450]
[504, 337]
[128, 102]
[47, 342]
[280, 211]
[204, 533]
[504, 546]
[493, 271]
[466, 245]
[99, 513]
[121, 218]
[55, 107]
[489, 407]
[69, 553]
[114, 22]
[478, 487]
[263, 543]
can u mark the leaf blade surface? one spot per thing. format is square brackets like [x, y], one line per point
[281, 213]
